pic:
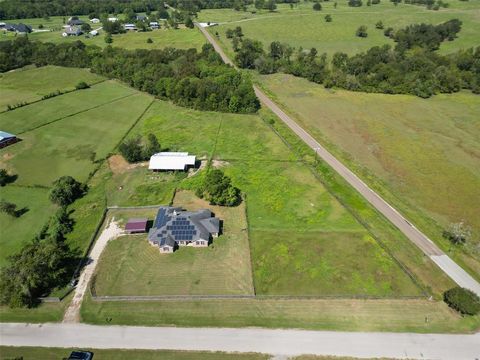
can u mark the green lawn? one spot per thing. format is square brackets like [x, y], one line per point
[16, 231]
[70, 145]
[30, 83]
[304, 27]
[181, 38]
[422, 155]
[33, 353]
[131, 266]
[46, 312]
[327, 314]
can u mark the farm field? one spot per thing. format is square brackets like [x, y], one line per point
[320, 314]
[33, 353]
[304, 27]
[284, 201]
[422, 155]
[30, 84]
[131, 266]
[68, 142]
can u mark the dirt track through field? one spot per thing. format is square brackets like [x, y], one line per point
[455, 272]
[112, 231]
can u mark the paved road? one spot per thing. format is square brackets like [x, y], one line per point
[112, 231]
[455, 272]
[278, 342]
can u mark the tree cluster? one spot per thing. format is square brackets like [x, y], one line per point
[412, 67]
[189, 78]
[41, 265]
[134, 151]
[217, 188]
[14, 9]
[458, 233]
[66, 190]
[463, 300]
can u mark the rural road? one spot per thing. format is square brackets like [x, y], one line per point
[275, 342]
[455, 272]
[112, 231]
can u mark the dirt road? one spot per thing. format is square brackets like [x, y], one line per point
[455, 272]
[112, 231]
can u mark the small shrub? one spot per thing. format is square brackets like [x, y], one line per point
[463, 300]
[379, 25]
[317, 6]
[458, 233]
[149, 41]
[8, 208]
[362, 31]
[328, 18]
[82, 85]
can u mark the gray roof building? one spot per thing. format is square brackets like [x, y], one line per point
[175, 227]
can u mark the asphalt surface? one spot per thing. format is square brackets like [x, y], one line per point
[455, 272]
[277, 342]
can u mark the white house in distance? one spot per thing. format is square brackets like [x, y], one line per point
[170, 161]
[112, 19]
[131, 27]
[95, 21]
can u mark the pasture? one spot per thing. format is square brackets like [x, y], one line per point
[131, 266]
[30, 83]
[421, 154]
[306, 28]
[290, 213]
[67, 140]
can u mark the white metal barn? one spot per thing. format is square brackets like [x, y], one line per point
[171, 161]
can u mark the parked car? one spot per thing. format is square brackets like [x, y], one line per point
[81, 355]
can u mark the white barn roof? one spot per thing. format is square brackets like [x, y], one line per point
[171, 161]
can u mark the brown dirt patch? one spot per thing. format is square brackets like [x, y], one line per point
[118, 164]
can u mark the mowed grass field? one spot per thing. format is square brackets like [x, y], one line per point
[30, 83]
[131, 266]
[423, 155]
[292, 218]
[326, 314]
[34, 353]
[304, 27]
[181, 38]
[68, 133]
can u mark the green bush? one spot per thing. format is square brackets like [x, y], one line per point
[463, 300]
[82, 85]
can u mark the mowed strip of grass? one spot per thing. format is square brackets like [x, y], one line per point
[330, 314]
[422, 155]
[72, 145]
[304, 27]
[16, 231]
[131, 266]
[35, 115]
[34, 353]
[31, 83]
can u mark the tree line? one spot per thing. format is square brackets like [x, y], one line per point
[189, 78]
[411, 67]
[45, 262]
[14, 9]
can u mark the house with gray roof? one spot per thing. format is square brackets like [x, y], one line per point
[174, 227]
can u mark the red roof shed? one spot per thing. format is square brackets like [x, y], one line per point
[136, 226]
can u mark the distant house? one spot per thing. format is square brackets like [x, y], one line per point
[154, 25]
[135, 226]
[18, 28]
[74, 21]
[94, 32]
[168, 161]
[72, 31]
[174, 227]
[95, 21]
[2, 25]
[112, 19]
[141, 18]
[129, 27]
[7, 139]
